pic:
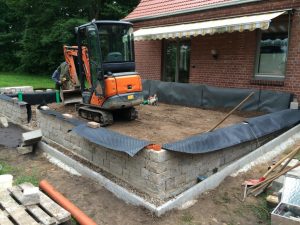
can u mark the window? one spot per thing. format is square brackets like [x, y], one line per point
[272, 50]
[176, 61]
[116, 43]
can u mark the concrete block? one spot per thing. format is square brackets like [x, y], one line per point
[180, 180]
[93, 125]
[115, 169]
[3, 122]
[44, 107]
[24, 149]
[145, 173]
[156, 179]
[294, 105]
[67, 116]
[170, 184]
[156, 167]
[106, 163]
[5, 181]
[98, 157]
[32, 137]
[30, 196]
[116, 159]
[15, 99]
[14, 90]
[38, 91]
[49, 90]
[125, 174]
[161, 156]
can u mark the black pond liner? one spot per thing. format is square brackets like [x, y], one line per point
[38, 98]
[102, 136]
[209, 97]
[252, 129]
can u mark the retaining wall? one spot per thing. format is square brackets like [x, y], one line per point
[161, 174]
[14, 110]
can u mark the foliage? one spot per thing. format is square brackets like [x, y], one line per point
[5, 168]
[27, 179]
[32, 32]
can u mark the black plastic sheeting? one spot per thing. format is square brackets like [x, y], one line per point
[103, 136]
[38, 98]
[9, 99]
[58, 115]
[111, 139]
[236, 134]
[204, 96]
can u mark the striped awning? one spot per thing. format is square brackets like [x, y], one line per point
[251, 22]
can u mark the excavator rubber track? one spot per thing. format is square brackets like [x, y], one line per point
[127, 114]
[103, 117]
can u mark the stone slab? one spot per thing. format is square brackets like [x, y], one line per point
[32, 137]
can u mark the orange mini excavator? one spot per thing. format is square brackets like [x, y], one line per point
[104, 60]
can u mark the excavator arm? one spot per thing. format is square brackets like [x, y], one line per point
[71, 53]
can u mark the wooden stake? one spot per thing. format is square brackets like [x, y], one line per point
[228, 114]
[290, 156]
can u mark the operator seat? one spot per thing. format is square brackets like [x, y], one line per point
[114, 57]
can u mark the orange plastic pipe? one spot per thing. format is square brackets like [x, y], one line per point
[80, 216]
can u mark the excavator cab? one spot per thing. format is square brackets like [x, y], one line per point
[114, 84]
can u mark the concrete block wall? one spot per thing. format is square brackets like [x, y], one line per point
[15, 111]
[161, 174]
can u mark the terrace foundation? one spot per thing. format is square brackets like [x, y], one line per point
[14, 110]
[160, 174]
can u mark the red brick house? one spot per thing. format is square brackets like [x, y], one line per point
[224, 43]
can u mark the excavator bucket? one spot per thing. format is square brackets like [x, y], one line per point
[70, 96]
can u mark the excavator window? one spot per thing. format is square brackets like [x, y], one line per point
[116, 42]
[95, 60]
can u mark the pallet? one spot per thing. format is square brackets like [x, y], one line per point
[12, 212]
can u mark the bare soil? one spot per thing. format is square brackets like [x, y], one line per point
[222, 206]
[167, 123]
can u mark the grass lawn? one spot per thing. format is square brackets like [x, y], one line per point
[20, 79]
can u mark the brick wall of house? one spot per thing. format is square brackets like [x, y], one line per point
[148, 56]
[237, 51]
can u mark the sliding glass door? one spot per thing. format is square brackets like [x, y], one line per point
[176, 61]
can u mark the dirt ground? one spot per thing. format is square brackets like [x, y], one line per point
[222, 206]
[167, 123]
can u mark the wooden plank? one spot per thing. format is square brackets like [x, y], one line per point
[25, 200]
[35, 210]
[16, 211]
[41, 216]
[54, 209]
[51, 207]
[4, 220]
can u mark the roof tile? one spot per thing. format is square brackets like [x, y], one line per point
[161, 7]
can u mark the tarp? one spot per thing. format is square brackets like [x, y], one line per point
[38, 98]
[111, 139]
[58, 115]
[269, 123]
[251, 22]
[236, 134]
[209, 97]
[102, 136]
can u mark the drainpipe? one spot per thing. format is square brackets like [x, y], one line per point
[79, 216]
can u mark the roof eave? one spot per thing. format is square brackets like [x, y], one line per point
[237, 2]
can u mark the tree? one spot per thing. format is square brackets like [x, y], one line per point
[33, 32]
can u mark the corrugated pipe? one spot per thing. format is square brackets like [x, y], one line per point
[79, 216]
